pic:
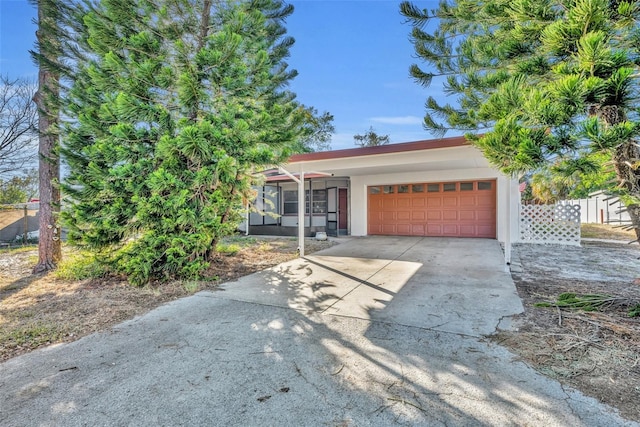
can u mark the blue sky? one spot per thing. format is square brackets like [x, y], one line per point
[352, 57]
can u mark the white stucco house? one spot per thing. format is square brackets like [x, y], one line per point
[441, 187]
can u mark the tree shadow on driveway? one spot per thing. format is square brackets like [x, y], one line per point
[273, 355]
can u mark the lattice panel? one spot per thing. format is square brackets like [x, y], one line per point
[550, 224]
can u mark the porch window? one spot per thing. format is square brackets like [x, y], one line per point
[319, 201]
[290, 200]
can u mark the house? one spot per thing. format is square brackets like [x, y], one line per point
[441, 187]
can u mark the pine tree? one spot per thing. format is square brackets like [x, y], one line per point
[370, 139]
[537, 81]
[177, 105]
[317, 130]
[47, 99]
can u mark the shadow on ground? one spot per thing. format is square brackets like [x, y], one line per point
[285, 358]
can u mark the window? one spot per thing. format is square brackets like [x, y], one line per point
[388, 189]
[449, 187]
[290, 200]
[403, 188]
[417, 188]
[433, 188]
[374, 190]
[484, 185]
[466, 186]
[319, 201]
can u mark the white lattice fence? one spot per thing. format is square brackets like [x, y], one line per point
[550, 224]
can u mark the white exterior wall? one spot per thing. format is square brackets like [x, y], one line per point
[457, 163]
[359, 186]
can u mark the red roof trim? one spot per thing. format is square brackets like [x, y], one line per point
[456, 141]
[275, 178]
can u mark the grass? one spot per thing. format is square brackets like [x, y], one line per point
[32, 335]
[80, 265]
[240, 240]
[18, 249]
[191, 286]
[228, 248]
[606, 231]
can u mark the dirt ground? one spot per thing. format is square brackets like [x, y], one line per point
[597, 352]
[36, 311]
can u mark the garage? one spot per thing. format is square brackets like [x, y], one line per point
[438, 209]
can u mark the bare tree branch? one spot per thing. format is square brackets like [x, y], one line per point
[18, 125]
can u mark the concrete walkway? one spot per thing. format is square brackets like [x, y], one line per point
[371, 332]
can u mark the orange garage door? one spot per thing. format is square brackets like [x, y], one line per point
[456, 209]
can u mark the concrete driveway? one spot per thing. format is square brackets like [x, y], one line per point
[451, 285]
[375, 331]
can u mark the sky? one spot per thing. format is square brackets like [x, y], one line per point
[352, 58]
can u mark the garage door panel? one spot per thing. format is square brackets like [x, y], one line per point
[467, 215]
[434, 202]
[465, 209]
[434, 230]
[450, 215]
[417, 229]
[418, 215]
[486, 231]
[450, 201]
[486, 216]
[404, 229]
[450, 230]
[375, 203]
[403, 203]
[418, 202]
[434, 215]
[468, 201]
[486, 200]
[404, 215]
[375, 229]
[388, 216]
[389, 203]
[467, 231]
[389, 229]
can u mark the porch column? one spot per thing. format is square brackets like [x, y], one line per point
[507, 240]
[301, 206]
[301, 211]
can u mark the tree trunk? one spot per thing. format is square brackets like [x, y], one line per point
[626, 155]
[49, 248]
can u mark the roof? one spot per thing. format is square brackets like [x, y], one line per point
[427, 144]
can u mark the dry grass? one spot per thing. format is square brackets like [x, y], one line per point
[40, 310]
[596, 352]
[606, 231]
